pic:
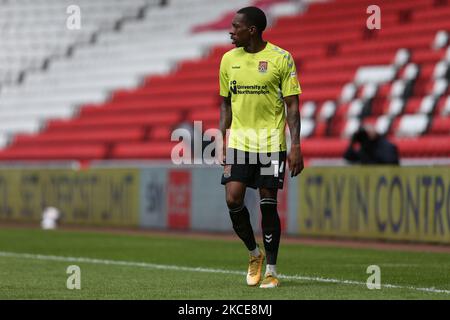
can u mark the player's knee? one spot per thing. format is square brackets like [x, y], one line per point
[234, 202]
[268, 193]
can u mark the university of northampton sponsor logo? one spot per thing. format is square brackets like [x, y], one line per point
[262, 67]
[233, 87]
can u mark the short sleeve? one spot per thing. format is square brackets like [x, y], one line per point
[289, 80]
[223, 78]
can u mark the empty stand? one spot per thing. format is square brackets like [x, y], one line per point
[395, 78]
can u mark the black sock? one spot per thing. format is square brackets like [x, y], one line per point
[240, 218]
[271, 228]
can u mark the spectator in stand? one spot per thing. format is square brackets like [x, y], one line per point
[368, 147]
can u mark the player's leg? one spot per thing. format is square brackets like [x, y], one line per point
[240, 218]
[271, 229]
[270, 179]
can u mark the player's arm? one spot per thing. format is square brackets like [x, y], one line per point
[295, 158]
[225, 123]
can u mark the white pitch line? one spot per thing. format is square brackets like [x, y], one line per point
[200, 269]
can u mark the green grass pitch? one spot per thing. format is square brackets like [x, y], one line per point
[33, 265]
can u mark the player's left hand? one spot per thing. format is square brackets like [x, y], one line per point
[295, 161]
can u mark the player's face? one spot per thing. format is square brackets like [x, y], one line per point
[240, 33]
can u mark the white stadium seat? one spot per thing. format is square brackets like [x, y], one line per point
[351, 126]
[441, 70]
[397, 89]
[440, 40]
[348, 93]
[396, 106]
[327, 110]
[21, 125]
[411, 72]
[308, 109]
[383, 124]
[402, 57]
[355, 109]
[307, 128]
[440, 86]
[374, 74]
[412, 125]
[4, 140]
[369, 91]
[427, 104]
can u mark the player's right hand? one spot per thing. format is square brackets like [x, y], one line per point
[222, 155]
[295, 161]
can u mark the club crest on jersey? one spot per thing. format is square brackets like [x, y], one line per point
[262, 67]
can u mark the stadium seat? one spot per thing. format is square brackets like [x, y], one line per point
[143, 150]
[412, 125]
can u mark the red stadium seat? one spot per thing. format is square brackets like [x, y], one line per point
[143, 150]
[430, 146]
[63, 152]
[440, 126]
[84, 137]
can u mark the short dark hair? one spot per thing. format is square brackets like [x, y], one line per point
[255, 17]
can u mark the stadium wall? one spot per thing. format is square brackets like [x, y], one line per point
[388, 203]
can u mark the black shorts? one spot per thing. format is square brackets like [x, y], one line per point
[256, 170]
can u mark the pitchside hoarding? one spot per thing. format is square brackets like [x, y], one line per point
[352, 202]
[152, 197]
[188, 198]
[376, 203]
[97, 197]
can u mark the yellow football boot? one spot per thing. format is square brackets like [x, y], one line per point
[270, 281]
[255, 268]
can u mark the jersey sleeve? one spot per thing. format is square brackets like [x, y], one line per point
[289, 81]
[223, 78]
